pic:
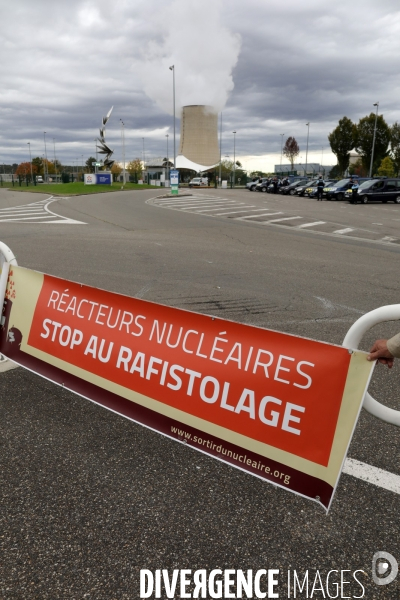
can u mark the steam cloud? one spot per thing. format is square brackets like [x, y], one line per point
[193, 38]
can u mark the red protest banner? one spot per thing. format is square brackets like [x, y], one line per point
[275, 405]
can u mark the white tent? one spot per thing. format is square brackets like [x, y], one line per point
[184, 163]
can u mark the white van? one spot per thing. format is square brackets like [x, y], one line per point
[39, 179]
[198, 182]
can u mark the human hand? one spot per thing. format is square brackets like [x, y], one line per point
[380, 352]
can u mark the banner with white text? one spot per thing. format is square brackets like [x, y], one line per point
[280, 407]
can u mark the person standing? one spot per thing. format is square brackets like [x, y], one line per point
[320, 188]
[354, 190]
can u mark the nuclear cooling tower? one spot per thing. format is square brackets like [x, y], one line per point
[199, 136]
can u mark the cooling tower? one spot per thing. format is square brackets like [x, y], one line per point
[199, 135]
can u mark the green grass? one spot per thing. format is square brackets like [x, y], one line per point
[77, 188]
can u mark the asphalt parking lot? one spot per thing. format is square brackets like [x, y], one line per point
[89, 498]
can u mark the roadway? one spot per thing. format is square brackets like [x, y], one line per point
[90, 498]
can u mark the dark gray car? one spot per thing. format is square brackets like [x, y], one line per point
[378, 190]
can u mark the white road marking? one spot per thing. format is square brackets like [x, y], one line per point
[268, 214]
[38, 212]
[312, 224]
[26, 218]
[211, 209]
[378, 477]
[210, 204]
[192, 201]
[346, 230]
[284, 219]
[331, 306]
[235, 212]
[327, 303]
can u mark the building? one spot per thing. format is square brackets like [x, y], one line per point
[313, 169]
[156, 171]
[199, 148]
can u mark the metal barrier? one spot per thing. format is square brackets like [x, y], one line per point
[353, 339]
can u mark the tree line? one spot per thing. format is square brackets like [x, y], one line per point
[348, 136]
[41, 166]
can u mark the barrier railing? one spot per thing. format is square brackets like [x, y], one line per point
[353, 339]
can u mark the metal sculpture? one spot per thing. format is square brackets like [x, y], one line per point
[103, 148]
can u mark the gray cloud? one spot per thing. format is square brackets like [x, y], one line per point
[63, 65]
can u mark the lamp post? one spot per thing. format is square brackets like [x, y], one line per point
[45, 155]
[373, 141]
[55, 164]
[167, 136]
[30, 158]
[172, 68]
[220, 153]
[281, 134]
[123, 151]
[308, 135]
[234, 156]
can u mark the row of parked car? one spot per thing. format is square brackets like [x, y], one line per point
[370, 189]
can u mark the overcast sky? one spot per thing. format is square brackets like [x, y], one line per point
[271, 66]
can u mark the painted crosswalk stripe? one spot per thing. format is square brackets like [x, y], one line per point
[268, 214]
[235, 212]
[199, 204]
[284, 219]
[210, 204]
[211, 209]
[345, 230]
[36, 213]
[189, 201]
[378, 477]
[311, 224]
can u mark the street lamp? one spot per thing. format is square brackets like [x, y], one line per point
[308, 135]
[45, 155]
[234, 156]
[55, 164]
[123, 149]
[373, 141]
[30, 158]
[220, 153]
[281, 134]
[167, 136]
[172, 68]
[95, 164]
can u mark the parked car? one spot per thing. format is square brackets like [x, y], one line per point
[198, 182]
[311, 191]
[39, 179]
[291, 188]
[251, 185]
[300, 190]
[339, 189]
[378, 190]
[262, 185]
